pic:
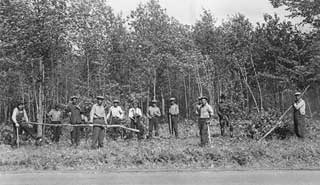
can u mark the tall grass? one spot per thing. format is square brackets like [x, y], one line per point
[223, 153]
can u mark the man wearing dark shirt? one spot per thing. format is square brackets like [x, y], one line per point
[75, 119]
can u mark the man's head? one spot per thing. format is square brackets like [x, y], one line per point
[135, 104]
[56, 107]
[100, 100]
[204, 100]
[172, 101]
[154, 103]
[116, 103]
[297, 95]
[20, 105]
[74, 100]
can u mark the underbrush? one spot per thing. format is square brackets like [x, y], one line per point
[223, 153]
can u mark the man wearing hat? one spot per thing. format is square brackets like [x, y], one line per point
[20, 120]
[173, 113]
[205, 113]
[135, 115]
[153, 113]
[299, 112]
[115, 115]
[55, 117]
[98, 117]
[75, 119]
[224, 110]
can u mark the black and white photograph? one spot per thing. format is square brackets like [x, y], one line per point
[159, 92]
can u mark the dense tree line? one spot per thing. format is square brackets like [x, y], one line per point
[52, 49]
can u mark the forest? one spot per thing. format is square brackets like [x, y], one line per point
[53, 49]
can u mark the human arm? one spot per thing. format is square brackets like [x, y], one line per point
[131, 113]
[92, 114]
[14, 117]
[25, 116]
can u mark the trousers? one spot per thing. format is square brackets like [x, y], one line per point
[98, 133]
[75, 135]
[204, 131]
[153, 125]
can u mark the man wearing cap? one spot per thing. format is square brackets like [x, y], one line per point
[98, 117]
[224, 110]
[135, 115]
[55, 117]
[115, 115]
[153, 113]
[20, 120]
[173, 113]
[299, 112]
[75, 119]
[205, 113]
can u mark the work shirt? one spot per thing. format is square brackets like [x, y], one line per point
[16, 112]
[134, 112]
[153, 112]
[174, 109]
[75, 113]
[115, 112]
[206, 111]
[97, 111]
[301, 106]
[55, 115]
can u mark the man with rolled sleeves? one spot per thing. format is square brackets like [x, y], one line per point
[20, 121]
[173, 113]
[115, 116]
[75, 119]
[55, 116]
[135, 115]
[98, 117]
[153, 114]
[205, 113]
[299, 112]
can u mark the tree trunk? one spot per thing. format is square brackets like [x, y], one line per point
[40, 99]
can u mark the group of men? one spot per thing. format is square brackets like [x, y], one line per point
[98, 118]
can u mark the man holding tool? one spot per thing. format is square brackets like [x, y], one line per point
[20, 120]
[299, 112]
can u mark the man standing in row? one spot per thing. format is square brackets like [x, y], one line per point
[299, 112]
[115, 115]
[98, 117]
[205, 113]
[173, 113]
[153, 113]
[55, 117]
[135, 115]
[75, 119]
[20, 120]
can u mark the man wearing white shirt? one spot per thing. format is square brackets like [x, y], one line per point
[299, 112]
[20, 120]
[115, 115]
[135, 115]
[98, 117]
